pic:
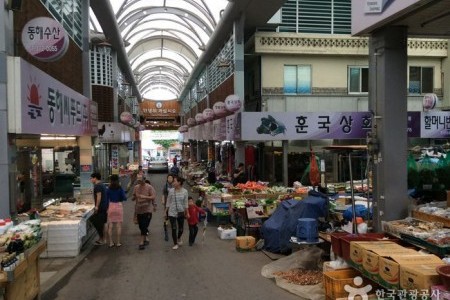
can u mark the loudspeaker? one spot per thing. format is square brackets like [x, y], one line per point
[15, 4]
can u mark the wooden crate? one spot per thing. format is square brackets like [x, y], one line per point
[24, 281]
[430, 218]
[34, 252]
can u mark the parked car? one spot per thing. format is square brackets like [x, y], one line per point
[158, 164]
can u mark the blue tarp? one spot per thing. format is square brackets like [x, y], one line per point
[279, 228]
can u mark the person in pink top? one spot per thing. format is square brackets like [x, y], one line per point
[194, 211]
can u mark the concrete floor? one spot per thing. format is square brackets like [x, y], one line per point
[212, 269]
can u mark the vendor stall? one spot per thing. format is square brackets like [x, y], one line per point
[24, 281]
[66, 229]
[20, 247]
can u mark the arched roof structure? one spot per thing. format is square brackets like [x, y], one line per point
[164, 38]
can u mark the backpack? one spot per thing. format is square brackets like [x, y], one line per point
[174, 170]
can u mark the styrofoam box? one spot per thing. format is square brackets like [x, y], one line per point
[66, 224]
[226, 234]
[67, 253]
[64, 235]
[64, 246]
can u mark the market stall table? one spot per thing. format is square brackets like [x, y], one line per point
[24, 281]
[66, 235]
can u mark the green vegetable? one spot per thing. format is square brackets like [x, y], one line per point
[218, 185]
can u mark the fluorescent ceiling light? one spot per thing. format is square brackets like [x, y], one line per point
[57, 138]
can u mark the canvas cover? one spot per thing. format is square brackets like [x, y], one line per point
[279, 228]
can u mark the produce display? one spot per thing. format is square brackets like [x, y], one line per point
[301, 276]
[66, 210]
[29, 232]
[440, 238]
[437, 211]
[413, 227]
[359, 186]
[243, 202]
[252, 185]
[16, 240]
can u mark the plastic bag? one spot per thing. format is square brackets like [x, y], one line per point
[360, 211]
[427, 173]
[443, 173]
[306, 178]
[413, 172]
[314, 173]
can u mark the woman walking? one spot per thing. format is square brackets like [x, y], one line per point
[145, 196]
[167, 187]
[177, 209]
[115, 196]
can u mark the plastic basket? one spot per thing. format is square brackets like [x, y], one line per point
[444, 274]
[335, 281]
[336, 242]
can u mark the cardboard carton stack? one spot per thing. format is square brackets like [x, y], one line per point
[395, 266]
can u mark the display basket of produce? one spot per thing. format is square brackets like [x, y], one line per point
[431, 217]
[440, 250]
[262, 195]
[234, 191]
[410, 226]
[252, 186]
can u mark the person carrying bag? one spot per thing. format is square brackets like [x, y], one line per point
[145, 196]
[177, 210]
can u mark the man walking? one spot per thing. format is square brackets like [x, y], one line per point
[99, 218]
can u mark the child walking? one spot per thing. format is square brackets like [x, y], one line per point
[194, 211]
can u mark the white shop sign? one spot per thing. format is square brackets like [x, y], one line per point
[38, 103]
[45, 39]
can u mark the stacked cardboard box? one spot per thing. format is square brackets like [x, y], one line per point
[391, 267]
[394, 266]
[245, 243]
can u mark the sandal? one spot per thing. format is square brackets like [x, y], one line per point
[111, 245]
[118, 245]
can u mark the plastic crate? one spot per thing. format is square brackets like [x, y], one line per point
[336, 243]
[430, 218]
[335, 281]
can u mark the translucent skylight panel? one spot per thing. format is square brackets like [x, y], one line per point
[186, 21]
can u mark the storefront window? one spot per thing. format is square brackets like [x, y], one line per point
[297, 79]
[358, 80]
[420, 80]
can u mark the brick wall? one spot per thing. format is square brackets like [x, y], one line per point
[104, 96]
[67, 69]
